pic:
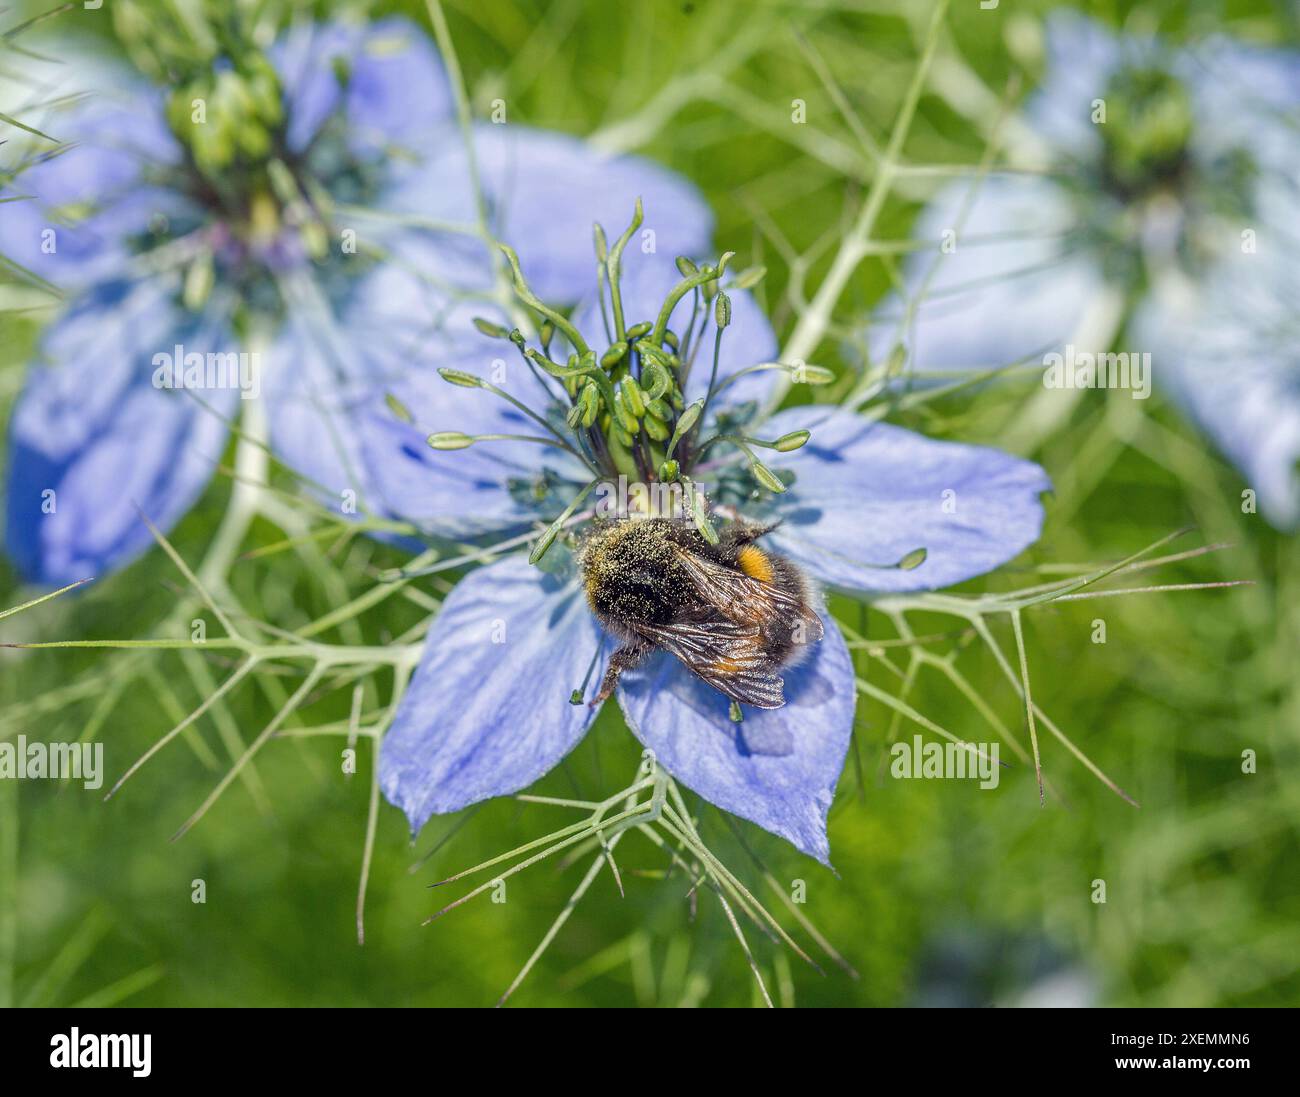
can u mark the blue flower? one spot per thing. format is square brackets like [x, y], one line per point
[489, 709]
[250, 201]
[1171, 177]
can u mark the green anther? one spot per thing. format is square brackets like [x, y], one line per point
[748, 279]
[553, 530]
[638, 330]
[632, 396]
[651, 353]
[670, 337]
[659, 410]
[736, 716]
[602, 245]
[767, 477]
[399, 410]
[698, 514]
[657, 429]
[726, 257]
[722, 310]
[686, 267]
[787, 443]
[624, 437]
[494, 331]
[913, 559]
[623, 414]
[199, 279]
[669, 471]
[589, 402]
[812, 375]
[546, 334]
[450, 439]
[460, 378]
[687, 420]
[517, 337]
[614, 355]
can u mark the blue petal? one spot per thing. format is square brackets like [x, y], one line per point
[545, 190]
[779, 767]
[747, 341]
[331, 423]
[1244, 98]
[88, 200]
[1082, 56]
[866, 494]
[488, 710]
[317, 391]
[1225, 348]
[396, 91]
[93, 430]
[1015, 287]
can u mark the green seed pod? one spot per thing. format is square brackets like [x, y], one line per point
[614, 355]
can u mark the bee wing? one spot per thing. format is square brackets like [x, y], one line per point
[727, 654]
[738, 596]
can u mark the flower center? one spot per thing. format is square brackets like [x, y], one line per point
[623, 411]
[258, 207]
[1146, 135]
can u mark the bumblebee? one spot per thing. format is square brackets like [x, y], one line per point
[733, 613]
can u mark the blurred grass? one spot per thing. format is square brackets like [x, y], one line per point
[1202, 897]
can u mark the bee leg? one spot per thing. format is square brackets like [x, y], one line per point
[624, 658]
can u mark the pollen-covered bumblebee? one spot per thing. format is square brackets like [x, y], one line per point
[734, 613]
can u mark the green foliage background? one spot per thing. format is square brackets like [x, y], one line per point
[1203, 899]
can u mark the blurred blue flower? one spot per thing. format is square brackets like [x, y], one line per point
[246, 203]
[1168, 202]
[488, 711]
